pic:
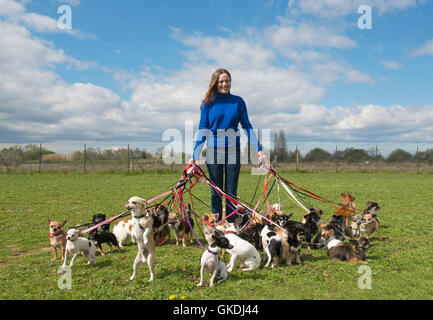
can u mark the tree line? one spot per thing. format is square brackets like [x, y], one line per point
[281, 153]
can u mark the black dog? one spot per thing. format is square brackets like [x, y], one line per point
[103, 237]
[295, 237]
[309, 228]
[98, 218]
[252, 235]
[160, 224]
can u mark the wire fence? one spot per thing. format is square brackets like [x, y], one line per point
[92, 160]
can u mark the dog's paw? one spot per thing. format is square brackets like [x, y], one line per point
[200, 284]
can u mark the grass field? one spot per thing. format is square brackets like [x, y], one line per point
[401, 263]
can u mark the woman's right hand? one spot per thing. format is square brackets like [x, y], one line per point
[193, 161]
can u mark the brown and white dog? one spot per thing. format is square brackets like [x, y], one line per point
[57, 237]
[142, 222]
[369, 225]
[123, 231]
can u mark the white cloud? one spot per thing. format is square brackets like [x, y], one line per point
[16, 12]
[392, 65]
[424, 49]
[331, 9]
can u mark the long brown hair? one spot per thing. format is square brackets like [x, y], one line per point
[213, 86]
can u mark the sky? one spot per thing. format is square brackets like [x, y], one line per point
[131, 72]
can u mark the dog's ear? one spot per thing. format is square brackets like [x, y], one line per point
[64, 222]
[49, 220]
[143, 202]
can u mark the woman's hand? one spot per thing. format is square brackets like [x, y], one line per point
[193, 161]
[261, 156]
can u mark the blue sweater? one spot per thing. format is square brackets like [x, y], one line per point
[216, 120]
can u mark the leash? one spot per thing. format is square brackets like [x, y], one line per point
[108, 221]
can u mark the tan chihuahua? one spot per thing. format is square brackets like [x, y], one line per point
[57, 237]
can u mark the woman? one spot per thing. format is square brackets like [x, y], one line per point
[221, 112]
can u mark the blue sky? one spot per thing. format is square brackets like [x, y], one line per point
[130, 70]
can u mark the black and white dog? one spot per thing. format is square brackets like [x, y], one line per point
[272, 246]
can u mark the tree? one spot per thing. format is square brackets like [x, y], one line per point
[11, 156]
[399, 155]
[280, 150]
[33, 152]
[424, 156]
[317, 154]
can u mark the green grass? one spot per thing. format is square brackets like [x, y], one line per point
[401, 264]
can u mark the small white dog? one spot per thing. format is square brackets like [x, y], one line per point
[142, 222]
[123, 231]
[211, 262]
[76, 244]
[243, 250]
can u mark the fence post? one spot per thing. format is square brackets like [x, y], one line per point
[84, 160]
[129, 170]
[40, 157]
[297, 158]
[336, 160]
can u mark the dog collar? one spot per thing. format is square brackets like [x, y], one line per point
[56, 235]
[138, 217]
[228, 232]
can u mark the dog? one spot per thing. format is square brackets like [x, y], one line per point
[211, 262]
[99, 237]
[355, 226]
[142, 222]
[369, 225]
[310, 228]
[243, 250]
[338, 224]
[353, 252]
[76, 244]
[372, 208]
[252, 235]
[57, 237]
[160, 224]
[328, 239]
[123, 231]
[295, 237]
[348, 209]
[180, 226]
[272, 246]
[98, 218]
[276, 209]
[281, 219]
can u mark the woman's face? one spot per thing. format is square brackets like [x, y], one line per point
[224, 83]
